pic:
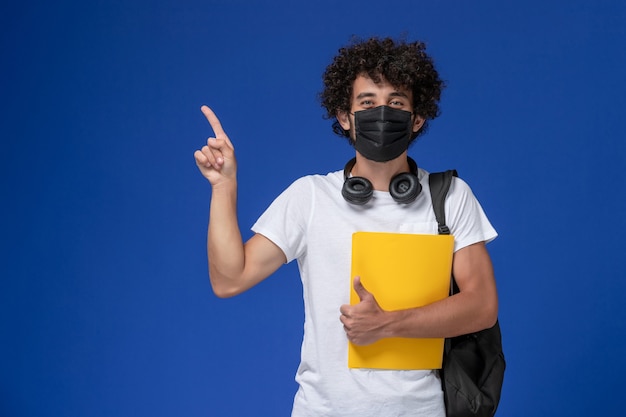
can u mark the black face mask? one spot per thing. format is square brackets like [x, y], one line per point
[382, 133]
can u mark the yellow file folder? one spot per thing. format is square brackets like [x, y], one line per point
[402, 271]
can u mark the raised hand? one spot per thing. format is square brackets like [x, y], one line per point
[216, 160]
[363, 322]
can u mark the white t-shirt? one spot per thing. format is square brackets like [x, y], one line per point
[311, 222]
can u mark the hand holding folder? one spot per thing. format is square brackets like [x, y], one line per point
[401, 271]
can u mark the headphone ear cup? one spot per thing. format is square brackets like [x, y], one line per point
[357, 190]
[405, 187]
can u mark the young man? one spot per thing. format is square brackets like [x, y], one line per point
[381, 93]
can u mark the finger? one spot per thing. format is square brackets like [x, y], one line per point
[201, 159]
[345, 310]
[360, 289]
[214, 157]
[220, 149]
[216, 125]
[213, 121]
[346, 322]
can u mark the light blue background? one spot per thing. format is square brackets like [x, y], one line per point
[105, 305]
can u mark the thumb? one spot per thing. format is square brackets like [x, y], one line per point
[360, 289]
[222, 145]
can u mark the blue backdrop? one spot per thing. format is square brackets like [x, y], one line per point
[105, 305]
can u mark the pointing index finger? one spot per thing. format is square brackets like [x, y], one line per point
[213, 121]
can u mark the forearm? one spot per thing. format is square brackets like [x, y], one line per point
[462, 313]
[225, 248]
[474, 308]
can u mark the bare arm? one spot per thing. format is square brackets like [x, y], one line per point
[233, 266]
[474, 308]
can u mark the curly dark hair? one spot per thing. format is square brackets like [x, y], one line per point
[402, 64]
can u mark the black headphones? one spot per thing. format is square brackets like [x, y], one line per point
[404, 187]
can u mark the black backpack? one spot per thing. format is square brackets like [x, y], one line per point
[473, 364]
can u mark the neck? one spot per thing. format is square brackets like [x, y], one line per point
[380, 173]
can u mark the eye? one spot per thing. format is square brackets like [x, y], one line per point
[366, 103]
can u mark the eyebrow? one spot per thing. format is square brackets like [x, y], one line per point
[394, 94]
[363, 95]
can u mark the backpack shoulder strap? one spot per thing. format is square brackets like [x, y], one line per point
[439, 183]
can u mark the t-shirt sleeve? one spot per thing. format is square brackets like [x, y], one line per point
[286, 220]
[465, 217]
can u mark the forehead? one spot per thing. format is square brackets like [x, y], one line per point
[365, 85]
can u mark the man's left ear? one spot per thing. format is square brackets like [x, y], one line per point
[418, 123]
